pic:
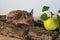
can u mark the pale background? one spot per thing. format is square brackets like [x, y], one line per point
[8, 5]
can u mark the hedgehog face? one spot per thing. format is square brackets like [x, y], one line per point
[21, 17]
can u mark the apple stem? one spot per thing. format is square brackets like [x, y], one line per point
[51, 14]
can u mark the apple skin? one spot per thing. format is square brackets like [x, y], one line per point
[50, 24]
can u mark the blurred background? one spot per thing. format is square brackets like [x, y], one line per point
[28, 5]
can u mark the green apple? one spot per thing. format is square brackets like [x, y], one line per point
[50, 24]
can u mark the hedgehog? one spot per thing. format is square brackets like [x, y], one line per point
[20, 17]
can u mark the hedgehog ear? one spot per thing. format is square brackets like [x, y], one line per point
[31, 11]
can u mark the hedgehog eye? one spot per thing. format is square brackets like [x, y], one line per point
[25, 17]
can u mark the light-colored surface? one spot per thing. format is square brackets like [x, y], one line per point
[37, 18]
[8, 5]
[7, 38]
